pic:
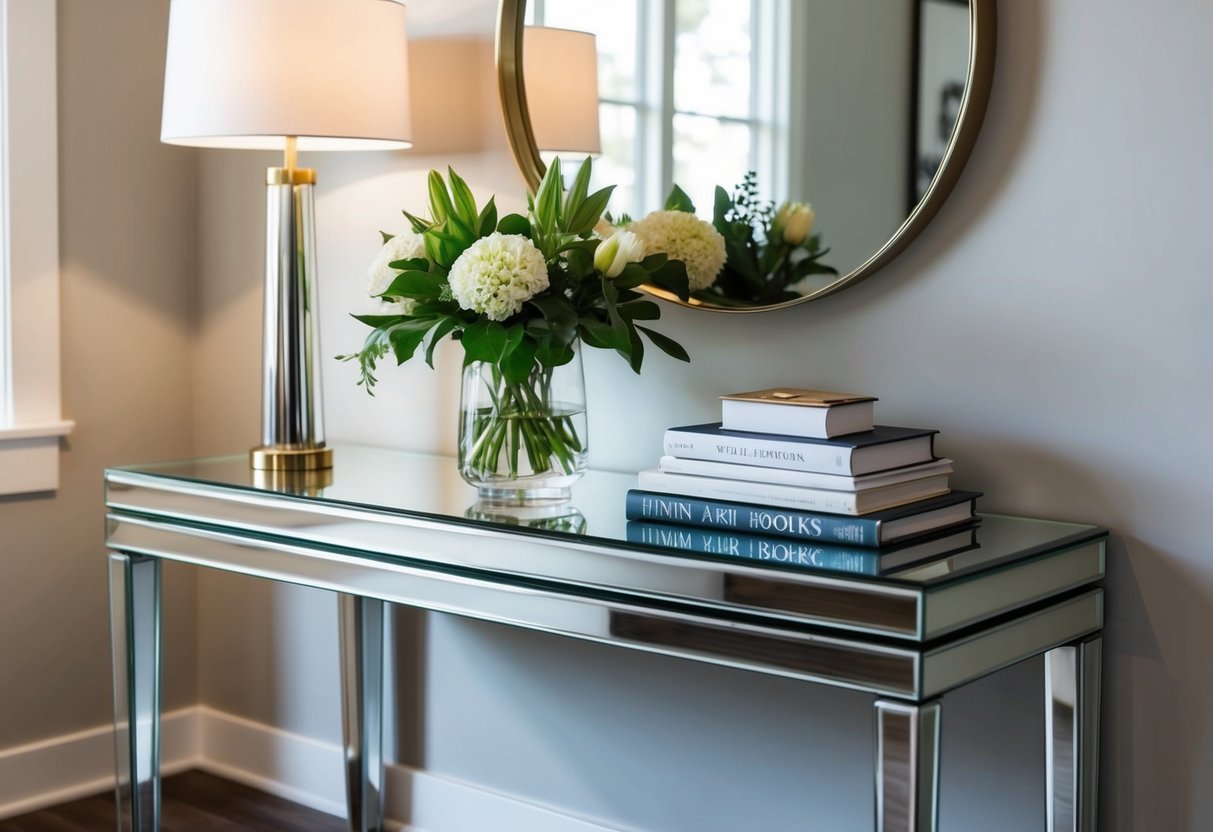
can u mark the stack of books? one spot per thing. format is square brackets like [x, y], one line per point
[803, 477]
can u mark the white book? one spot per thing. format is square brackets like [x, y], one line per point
[790, 496]
[818, 414]
[880, 449]
[804, 479]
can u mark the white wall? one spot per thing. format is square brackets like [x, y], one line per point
[126, 249]
[1052, 322]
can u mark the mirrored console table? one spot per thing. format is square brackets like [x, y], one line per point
[388, 527]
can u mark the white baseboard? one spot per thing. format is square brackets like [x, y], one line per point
[291, 766]
[77, 765]
[441, 804]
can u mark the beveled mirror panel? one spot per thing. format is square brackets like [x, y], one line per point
[866, 109]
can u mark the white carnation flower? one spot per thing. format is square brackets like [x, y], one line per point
[497, 274]
[684, 237]
[404, 246]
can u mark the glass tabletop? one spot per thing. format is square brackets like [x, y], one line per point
[429, 486]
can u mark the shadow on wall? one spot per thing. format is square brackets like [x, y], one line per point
[1010, 115]
[1154, 721]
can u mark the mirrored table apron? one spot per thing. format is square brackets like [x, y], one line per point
[389, 527]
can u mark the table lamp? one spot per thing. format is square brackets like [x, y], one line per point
[560, 69]
[291, 75]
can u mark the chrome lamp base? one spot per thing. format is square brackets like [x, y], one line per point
[292, 419]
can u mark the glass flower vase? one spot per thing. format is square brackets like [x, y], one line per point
[523, 443]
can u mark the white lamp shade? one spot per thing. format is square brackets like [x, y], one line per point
[560, 71]
[246, 73]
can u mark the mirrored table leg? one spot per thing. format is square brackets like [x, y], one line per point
[362, 629]
[1072, 687]
[907, 766]
[134, 591]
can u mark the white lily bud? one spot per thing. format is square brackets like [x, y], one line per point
[616, 251]
[794, 222]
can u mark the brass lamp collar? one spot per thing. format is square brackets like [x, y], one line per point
[290, 176]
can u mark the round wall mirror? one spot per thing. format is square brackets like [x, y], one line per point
[864, 109]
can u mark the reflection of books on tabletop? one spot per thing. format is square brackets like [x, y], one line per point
[874, 529]
[879, 449]
[778, 495]
[785, 551]
[797, 412]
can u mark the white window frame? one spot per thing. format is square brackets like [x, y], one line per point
[31, 421]
[771, 102]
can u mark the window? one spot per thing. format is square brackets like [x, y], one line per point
[683, 96]
[30, 419]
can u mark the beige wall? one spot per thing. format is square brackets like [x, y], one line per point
[127, 251]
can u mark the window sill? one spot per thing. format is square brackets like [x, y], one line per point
[29, 457]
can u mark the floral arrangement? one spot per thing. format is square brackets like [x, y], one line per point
[766, 252]
[519, 293]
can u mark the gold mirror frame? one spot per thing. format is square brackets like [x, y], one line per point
[983, 32]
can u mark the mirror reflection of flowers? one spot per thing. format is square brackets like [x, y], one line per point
[768, 251]
[519, 293]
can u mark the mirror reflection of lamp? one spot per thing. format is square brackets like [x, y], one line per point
[288, 75]
[560, 70]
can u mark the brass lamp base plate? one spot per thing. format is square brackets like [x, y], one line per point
[271, 458]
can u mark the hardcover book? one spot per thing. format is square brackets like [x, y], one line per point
[795, 496]
[877, 529]
[805, 554]
[794, 412]
[879, 449]
[804, 479]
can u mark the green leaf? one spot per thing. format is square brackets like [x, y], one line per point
[672, 276]
[633, 275]
[559, 313]
[490, 341]
[580, 262]
[514, 224]
[488, 217]
[635, 351]
[406, 337]
[721, 209]
[386, 237]
[581, 186]
[590, 211]
[679, 201]
[440, 200]
[438, 334]
[547, 198]
[377, 320]
[464, 202]
[599, 334]
[413, 264]
[667, 345]
[640, 310]
[516, 365]
[418, 225]
[418, 285]
[552, 353]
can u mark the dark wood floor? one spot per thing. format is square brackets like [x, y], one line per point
[191, 802]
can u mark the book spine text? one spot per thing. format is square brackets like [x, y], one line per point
[644, 505]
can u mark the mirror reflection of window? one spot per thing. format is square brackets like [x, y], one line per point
[679, 97]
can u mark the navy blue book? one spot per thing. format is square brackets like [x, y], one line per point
[880, 528]
[806, 554]
[878, 449]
